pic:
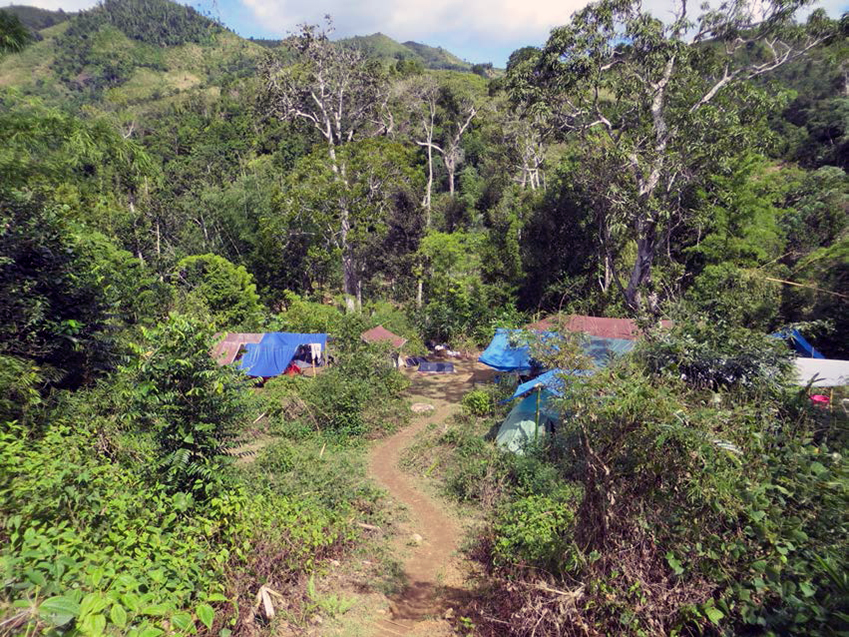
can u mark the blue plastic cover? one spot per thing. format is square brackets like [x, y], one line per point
[504, 357]
[799, 343]
[272, 355]
[553, 381]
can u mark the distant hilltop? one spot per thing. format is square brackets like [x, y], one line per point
[377, 46]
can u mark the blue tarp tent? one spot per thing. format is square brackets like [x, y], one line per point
[500, 354]
[799, 343]
[552, 382]
[272, 355]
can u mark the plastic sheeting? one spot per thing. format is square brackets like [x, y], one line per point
[272, 355]
[503, 356]
[823, 372]
[552, 381]
[500, 354]
[799, 343]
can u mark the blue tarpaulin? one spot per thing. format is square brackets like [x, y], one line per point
[505, 356]
[272, 355]
[553, 381]
[799, 343]
[500, 354]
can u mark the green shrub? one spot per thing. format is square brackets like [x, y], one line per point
[227, 290]
[700, 510]
[532, 531]
[89, 541]
[192, 407]
[478, 403]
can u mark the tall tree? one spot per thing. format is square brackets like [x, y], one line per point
[343, 96]
[662, 102]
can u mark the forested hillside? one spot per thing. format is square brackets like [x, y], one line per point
[163, 180]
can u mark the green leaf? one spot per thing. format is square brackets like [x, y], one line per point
[714, 615]
[92, 604]
[806, 589]
[131, 601]
[93, 624]
[206, 614]
[59, 610]
[96, 576]
[118, 615]
[151, 631]
[156, 610]
[183, 621]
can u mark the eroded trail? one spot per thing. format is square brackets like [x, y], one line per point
[434, 580]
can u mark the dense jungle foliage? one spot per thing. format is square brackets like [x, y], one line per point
[163, 180]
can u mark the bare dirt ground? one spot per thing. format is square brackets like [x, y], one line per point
[434, 575]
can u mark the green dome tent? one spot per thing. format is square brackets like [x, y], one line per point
[520, 427]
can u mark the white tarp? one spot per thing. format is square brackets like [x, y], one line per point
[826, 372]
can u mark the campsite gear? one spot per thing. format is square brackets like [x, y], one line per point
[798, 343]
[415, 361]
[437, 368]
[532, 417]
[822, 372]
[315, 351]
[272, 355]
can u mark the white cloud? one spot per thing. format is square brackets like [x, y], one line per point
[472, 28]
[499, 20]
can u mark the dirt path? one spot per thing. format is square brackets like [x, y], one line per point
[434, 580]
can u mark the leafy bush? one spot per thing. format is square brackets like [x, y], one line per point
[699, 511]
[91, 542]
[192, 407]
[226, 289]
[532, 530]
[478, 403]
[359, 394]
[52, 310]
[707, 356]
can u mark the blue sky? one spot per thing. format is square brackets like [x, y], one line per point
[476, 30]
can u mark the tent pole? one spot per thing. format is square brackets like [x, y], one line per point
[536, 430]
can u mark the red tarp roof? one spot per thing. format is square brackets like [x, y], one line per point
[380, 333]
[592, 325]
[226, 350]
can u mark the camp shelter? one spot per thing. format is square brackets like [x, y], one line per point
[227, 349]
[505, 354]
[508, 353]
[272, 355]
[602, 327]
[553, 380]
[532, 417]
[380, 334]
[822, 372]
[799, 343]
